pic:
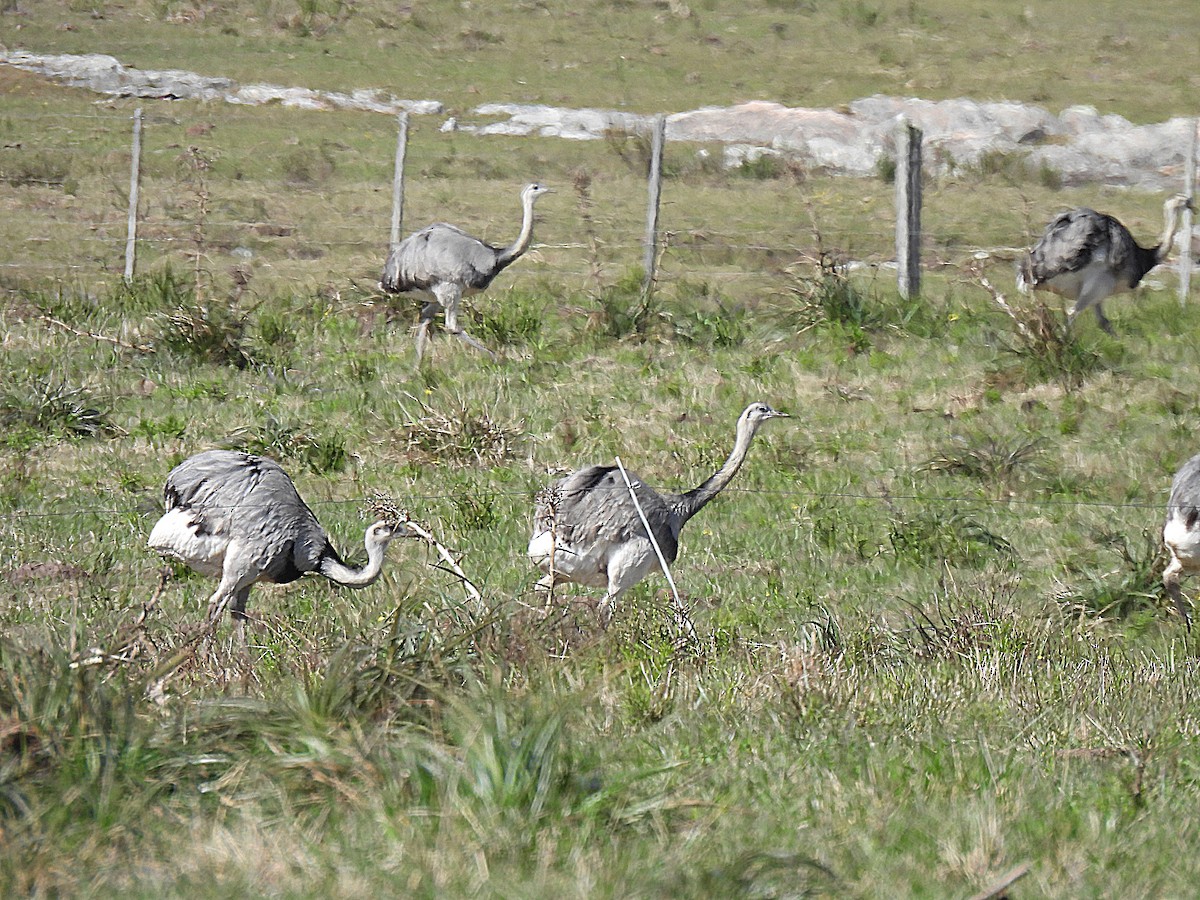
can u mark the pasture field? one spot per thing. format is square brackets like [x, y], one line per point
[933, 645]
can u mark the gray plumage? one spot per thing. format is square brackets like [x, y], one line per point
[1087, 256]
[238, 517]
[445, 262]
[587, 531]
[1181, 533]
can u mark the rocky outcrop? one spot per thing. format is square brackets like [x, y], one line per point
[1078, 146]
[106, 75]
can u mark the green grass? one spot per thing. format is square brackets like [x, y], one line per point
[933, 646]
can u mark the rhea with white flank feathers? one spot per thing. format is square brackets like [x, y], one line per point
[445, 262]
[1088, 256]
[587, 531]
[1181, 533]
[238, 517]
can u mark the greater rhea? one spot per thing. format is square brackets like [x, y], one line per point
[445, 262]
[587, 531]
[1087, 256]
[238, 517]
[1181, 534]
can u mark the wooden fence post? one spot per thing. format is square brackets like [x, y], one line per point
[1189, 188]
[398, 180]
[908, 209]
[651, 243]
[135, 170]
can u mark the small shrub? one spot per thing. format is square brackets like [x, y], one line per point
[933, 536]
[625, 309]
[987, 457]
[828, 298]
[963, 620]
[210, 332]
[769, 167]
[860, 14]
[51, 407]
[308, 166]
[1045, 349]
[274, 339]
[171, 427]
[461, 437]
[474, 512]
[722, 326]
[634, 148]
[515, 318]
[1134, 586]
[885, 169]
[163, 289]
[321, 452]
[21, 168]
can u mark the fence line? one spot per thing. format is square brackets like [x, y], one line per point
[906, 235]
[961, 500]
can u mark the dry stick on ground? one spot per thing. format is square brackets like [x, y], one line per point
[386, 508]
[58, 323]
[549, 497]
[1003, 304]
[686, 630]
[1000, 888]
[127, 638]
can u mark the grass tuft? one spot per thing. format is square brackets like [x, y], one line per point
[50, 408]
[462, 436]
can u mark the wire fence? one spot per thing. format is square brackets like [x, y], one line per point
[961, 500]
[199, 183]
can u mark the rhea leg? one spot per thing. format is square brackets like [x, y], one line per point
[238, 613]
[450, 296]
[1170, 580]
[428, 311]
[1094, 290]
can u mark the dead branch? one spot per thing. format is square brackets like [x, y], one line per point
[58, 323]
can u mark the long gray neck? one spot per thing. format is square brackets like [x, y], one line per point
[521, 244]
[697, 498]
[335, 570]
[1170, 227]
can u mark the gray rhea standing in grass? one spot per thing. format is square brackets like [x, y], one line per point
[1181, 533]
[587, 530]
[238, 517]
[445, 262]
[1087, 256]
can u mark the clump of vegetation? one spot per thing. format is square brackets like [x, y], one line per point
[1133, 587]
[462, 436]
[828, 298]
[769, 167]
[47, 168]
[1012, 167]
[162, 289]
[320, 450]
[52, 408]
[1045, 348]
[933, 535]
[986, 456]
[514, 319]
[309, 166]
[634, 148]
[625, 308]
[716, 325]
[212, 332]
[964, 620]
